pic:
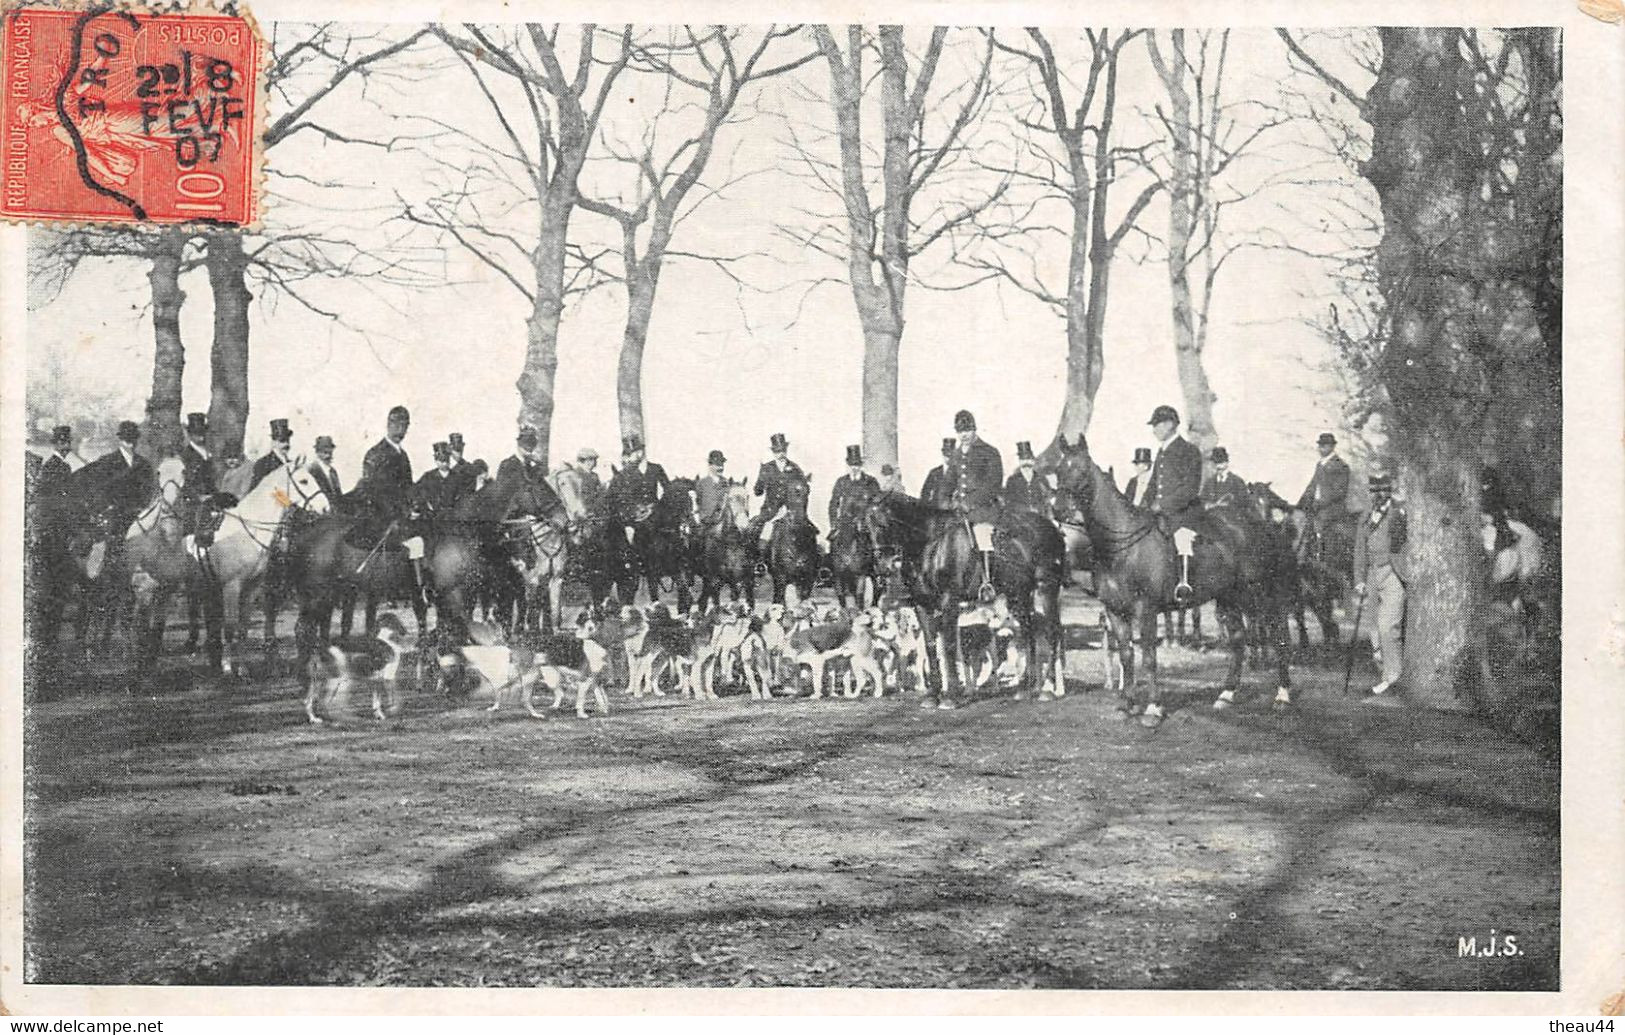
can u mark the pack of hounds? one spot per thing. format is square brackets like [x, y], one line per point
[785, 652]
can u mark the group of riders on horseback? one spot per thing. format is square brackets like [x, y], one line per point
[460, 536]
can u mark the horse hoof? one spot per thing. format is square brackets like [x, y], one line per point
[1224, 701]
[928, 702]
[947, 704]
[1046, 696]
[1152, 717]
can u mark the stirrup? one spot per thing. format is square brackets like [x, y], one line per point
[1183, 592]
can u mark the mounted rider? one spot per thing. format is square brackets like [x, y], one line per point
[201, 499]
[1325, 498]
[525, 472]
[279, 455]
[1138, 489]
[1175, 493]
[853, 491]
[935, 491]
[383, 498]
[433, 496]
[1025, 490]
[1224, 488]
[637, 484]
[711, 492]
[460, 471]
[113, 489]
[322, 469]
[975, 475]
[592, 487]
[771, 480]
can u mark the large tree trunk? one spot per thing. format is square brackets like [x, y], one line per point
[1085, 313]
[881, 338]
[643, 279]
[536, 379]
[1443, 641]
[162, 434]
[228, 356]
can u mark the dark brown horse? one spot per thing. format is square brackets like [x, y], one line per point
[792, 550]
[658, 548]
[1136, 571]
[727, 555]
[934, 554]
[1317, 580]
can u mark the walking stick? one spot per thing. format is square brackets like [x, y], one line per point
[1354, 642]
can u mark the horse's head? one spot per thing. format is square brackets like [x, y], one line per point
[1070, 472]
[304, 491]
[567, 483]
[796, 491]
[736, 505]
[171, 479]
[1267, 501]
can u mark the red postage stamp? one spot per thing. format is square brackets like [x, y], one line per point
[130, 117]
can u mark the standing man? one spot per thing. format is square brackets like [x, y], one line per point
[638, 482]
[1224, 488]
[975, 474]
[770, 482]
[1138, 489]
[1325, 498]
[278, 456]
[853, 490]
[711, 491]
[935, 491]
[1176, 488]
[1382, 572]
[1024, 490]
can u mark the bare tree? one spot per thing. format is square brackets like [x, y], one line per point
[884, 235]
[717, 63]
[1091, 162]
[516, 197]
[1206, 133]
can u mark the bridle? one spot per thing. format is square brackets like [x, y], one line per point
[158, 509]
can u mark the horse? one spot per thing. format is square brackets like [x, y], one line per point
[792, 549]
[726, 554]
[240, 555]
[1316, 584]
[1518, 587]
[852, 556]
[659, 545]
[157, 561]
[545, 554]
[1136, 572]
[938, 562]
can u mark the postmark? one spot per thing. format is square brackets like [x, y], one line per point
[125, 116]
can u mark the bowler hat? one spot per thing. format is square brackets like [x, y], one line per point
[964, 421]
[1220, 455]
[778, 443]
[1326, 439]
[197, 423]
[400, 413]
[280, 432]
[324, 442]
[62, 435]
[715, 458]
[948, 445]
[1024, 451]
[527, 437]
[631, 444]
[129, 431]
[1142, 455]
[854, 456]
[442, 450]
[1162, 413]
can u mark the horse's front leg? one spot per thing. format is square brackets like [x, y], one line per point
[1234, 622]
[1146, 620]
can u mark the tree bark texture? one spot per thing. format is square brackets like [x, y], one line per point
[228, 355]
[162, 434]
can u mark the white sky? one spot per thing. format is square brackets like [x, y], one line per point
[725, 369]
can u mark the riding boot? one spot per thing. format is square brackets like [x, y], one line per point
[417, 575]
[1183, 591]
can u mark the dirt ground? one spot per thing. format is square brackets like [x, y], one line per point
[205, 833]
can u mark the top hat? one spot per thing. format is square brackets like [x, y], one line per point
[129, 431]
[455, 441]
[778, 442]
[442, 451]
[1162, 413]
[631, 444]
[963, 421]
[1142, 455]
[948, 445]
[280, 432]
[854, 456]
[527, 437]
[62, 435]
[324, 442]
[1220, 455]
[1326, 439]
[400, 413]
[197, 423]
[715, 458]
[586, 453]
[1024, 451]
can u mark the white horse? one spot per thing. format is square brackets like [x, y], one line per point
[241, 552]
[155, 560]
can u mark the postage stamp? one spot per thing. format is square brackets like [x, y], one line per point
[121, 116]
